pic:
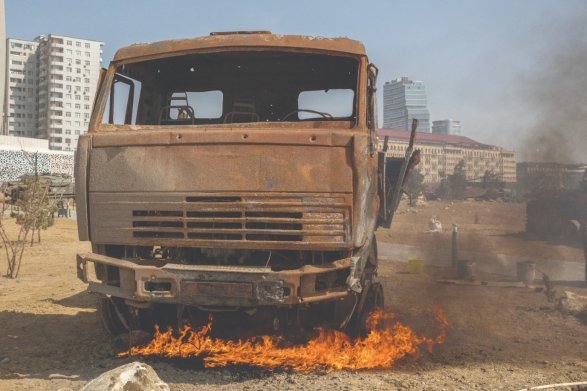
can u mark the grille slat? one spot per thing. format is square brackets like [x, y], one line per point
[257, 219]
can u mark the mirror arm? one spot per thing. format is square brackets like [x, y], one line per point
[397, 188]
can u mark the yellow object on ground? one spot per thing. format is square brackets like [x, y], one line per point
[415, 265]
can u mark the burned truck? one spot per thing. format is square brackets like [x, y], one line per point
[236, 172]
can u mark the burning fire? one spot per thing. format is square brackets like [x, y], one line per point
[330, 350]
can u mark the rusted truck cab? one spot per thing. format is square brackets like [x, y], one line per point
[232, 172]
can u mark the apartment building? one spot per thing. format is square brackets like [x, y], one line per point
[60, 75]
[21, 88]
[440, 153]
[68, 76]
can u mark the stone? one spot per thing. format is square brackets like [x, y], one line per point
[135, 376]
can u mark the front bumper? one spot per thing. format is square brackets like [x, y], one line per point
[218, 286]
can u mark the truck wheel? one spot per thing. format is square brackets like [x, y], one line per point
[373, 302]
[113, 314]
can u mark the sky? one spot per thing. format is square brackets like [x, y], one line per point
[476, 57]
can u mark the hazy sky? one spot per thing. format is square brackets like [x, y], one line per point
[474, 56]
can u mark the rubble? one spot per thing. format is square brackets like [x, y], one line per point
[434, 225]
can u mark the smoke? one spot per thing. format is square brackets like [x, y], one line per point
[556, 93]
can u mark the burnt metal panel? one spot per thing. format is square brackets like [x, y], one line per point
[227, 220]
[239, 41]
[221, 167]
[81, 183]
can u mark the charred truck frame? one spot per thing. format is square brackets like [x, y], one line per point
[235, 172]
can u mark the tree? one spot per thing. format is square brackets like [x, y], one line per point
[36, 209]
[453, 186]
[414, 186]
[33, 213]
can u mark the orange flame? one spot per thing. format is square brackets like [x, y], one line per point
[330, 350]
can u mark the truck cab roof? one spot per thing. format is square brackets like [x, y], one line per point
[236, 40]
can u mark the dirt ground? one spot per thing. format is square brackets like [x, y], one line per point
[499, 337]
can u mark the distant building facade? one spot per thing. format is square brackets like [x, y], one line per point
[2, 69]
[440, 154]
[21, 91]
[404, 100]
[18, 156]
[61, 74]
[447, 126]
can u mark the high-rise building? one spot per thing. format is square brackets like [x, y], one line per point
[447, 126]
[21, 91]
[69, 69]
[52, 82]
[403, 100]
[2, 69]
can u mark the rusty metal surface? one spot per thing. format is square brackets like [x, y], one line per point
[225, 220]
[238, 42]
[81, 193]
[220, 167]
[308, 186]
[205, 285]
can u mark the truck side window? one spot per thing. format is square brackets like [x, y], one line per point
[122, 106]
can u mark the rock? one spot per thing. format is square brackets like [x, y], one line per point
[5, 360]
[133, 376]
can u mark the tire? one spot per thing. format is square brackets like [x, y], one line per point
[109, 316]
[374, 301]
[372, 290]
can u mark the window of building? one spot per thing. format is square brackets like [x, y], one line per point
[78, 44]
[87, 45]
[78, 97]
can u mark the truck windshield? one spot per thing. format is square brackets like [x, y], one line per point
[235, 87]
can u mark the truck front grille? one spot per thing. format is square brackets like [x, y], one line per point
[245, 219]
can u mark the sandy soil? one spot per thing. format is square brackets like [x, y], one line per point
[499, 338]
